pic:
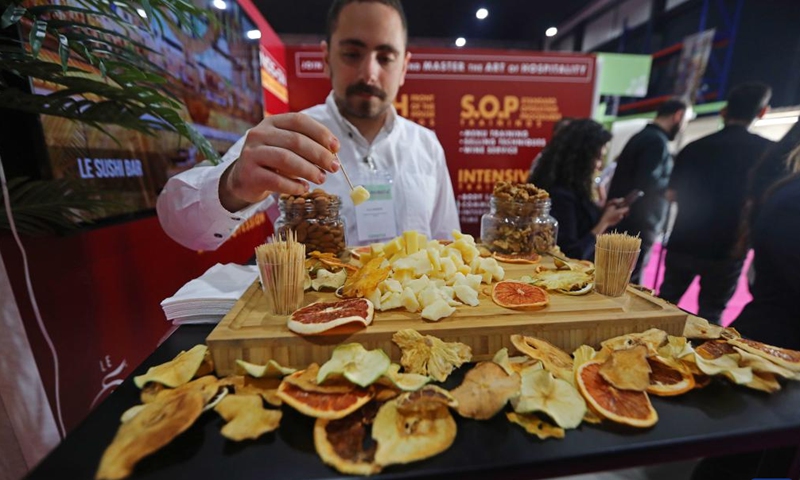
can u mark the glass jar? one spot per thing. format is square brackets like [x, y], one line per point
[544, 227]
[315, 218]
[508, 227]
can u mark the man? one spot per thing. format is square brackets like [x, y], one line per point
[645, 164]
[366, 59]
[709, 185]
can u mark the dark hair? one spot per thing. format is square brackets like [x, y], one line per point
[338, 5]
[561, 123]
[568, 161]
[746, 100]
[670, 107]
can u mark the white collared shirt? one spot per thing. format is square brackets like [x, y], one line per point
[190, 211]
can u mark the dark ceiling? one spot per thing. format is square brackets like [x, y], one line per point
[510, 24]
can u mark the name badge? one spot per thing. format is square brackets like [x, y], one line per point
[375, 218]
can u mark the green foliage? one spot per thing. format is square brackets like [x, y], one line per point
[133, 92]
[45, 207]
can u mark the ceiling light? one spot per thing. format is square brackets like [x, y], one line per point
[219, 4]
[254, 34]
[551, 32]
[141, 12]
[461, 41]
[482, 13]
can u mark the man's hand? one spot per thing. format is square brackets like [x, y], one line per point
[279, 155]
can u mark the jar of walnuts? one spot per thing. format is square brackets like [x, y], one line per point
[314, 216]
[518, 222]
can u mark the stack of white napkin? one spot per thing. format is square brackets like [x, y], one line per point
[208, 298]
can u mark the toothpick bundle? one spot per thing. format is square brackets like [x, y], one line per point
[281, 265]
[615, 256]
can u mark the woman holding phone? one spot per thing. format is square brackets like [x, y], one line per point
[566, 170]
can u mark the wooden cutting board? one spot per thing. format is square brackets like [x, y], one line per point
[249, 333]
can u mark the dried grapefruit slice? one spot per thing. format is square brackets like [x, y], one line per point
[330, 406]
[668, 381]
[322, 316]
[526, 258]
[512, 294]
[622, 406]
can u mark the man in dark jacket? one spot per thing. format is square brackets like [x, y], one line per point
[645, 164]
[709, 184]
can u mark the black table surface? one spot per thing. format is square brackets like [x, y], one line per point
[720, 418]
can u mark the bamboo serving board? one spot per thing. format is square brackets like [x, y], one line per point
[247, 332]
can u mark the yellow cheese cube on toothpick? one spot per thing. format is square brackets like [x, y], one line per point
[359, 195]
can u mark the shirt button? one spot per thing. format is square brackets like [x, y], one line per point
[218, 235]
[236, 219]
[350, 134]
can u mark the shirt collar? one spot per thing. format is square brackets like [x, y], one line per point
[333, 110]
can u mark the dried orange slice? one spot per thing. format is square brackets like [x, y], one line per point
[622, 406]
[527, 258]
[668, 381]
[511, 294]
[331, 260]
[330, 406]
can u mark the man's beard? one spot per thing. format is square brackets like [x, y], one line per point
[673, 132]
[360, 107]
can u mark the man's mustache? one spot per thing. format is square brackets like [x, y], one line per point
[358, 88]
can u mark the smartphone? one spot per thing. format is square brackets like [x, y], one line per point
[632, 197]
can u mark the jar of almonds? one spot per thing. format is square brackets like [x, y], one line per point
[514, 218]
[314, 216]
[544, 227]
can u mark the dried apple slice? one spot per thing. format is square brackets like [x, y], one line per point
[407, 382]
[535, 425]
[328, 280]
[485, 391]
[246, 417]
[357, 364]
[271, 370]
[554, 359]
[540, 391]
[789, 359]
[627, 369]
[177, 371]
[411, 435]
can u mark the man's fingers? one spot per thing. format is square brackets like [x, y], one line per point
[304, 147]
[275, 182]
[285, 162]
[300, 123]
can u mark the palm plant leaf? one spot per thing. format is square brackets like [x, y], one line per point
[131, 91]
[45, 207]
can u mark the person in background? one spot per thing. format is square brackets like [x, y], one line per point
[709, 183]
[645, 164]
[770, 168]
[366, 57]
[557, 127]
[772, 316]
[566, 170]
[773, 166]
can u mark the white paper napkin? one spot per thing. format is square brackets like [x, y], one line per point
[208, 298]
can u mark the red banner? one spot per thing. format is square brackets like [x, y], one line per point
[493, 111]
[272, 55]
